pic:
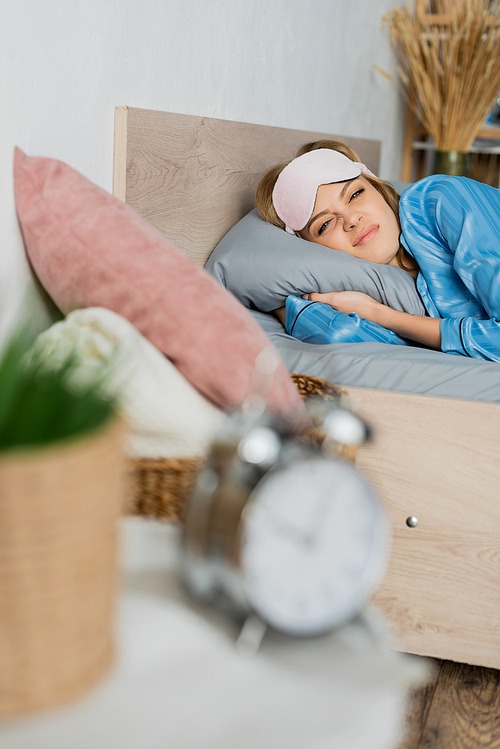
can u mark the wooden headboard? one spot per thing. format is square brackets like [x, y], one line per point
[193, 178]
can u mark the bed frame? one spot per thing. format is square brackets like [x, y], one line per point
[436, 459]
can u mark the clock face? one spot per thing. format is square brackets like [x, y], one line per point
[312, 548]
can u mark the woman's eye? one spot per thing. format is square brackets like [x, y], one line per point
[324, 226]
[357, 193]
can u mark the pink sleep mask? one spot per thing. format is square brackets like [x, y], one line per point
[294, 193]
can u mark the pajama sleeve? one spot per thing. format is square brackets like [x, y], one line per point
[315, 322]
[451, 225]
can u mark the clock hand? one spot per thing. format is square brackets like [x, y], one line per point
[290, 531]
[323, 507]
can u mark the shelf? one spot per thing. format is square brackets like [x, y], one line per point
[428, 17]
[489, 132]
[429, 146]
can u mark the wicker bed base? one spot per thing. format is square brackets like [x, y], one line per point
[159, 488]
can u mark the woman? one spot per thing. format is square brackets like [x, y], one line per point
[444, 231]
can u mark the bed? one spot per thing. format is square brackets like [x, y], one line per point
[436, 418]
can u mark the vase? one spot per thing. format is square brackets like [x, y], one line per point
[455, 163]
[59, 511]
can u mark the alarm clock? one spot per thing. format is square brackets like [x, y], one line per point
[280, 529]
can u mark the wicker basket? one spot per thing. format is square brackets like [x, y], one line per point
[161, 488]
[59, 510]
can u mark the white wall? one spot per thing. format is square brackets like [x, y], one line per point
[304, 64]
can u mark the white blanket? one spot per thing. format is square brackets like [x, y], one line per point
[168, 417]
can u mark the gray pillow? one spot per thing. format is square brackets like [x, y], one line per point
[262, 265]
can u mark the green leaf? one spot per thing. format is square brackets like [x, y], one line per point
[38, 405]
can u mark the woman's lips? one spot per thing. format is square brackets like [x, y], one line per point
[364, 236]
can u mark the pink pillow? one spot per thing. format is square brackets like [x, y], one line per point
[91, 250]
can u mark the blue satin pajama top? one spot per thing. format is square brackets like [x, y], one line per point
[451, 226]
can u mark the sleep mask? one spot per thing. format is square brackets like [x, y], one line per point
[295, 191]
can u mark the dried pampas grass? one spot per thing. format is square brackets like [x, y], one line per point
[450, 72]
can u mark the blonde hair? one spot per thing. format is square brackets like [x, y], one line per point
[264, 192]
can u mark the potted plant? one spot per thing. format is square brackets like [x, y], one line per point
[450, 70]
[61, 482]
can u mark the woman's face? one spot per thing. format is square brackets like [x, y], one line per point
[354, 217]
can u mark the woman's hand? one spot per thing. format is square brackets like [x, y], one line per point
[417, 328]
[281, 314]
[348, 302]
